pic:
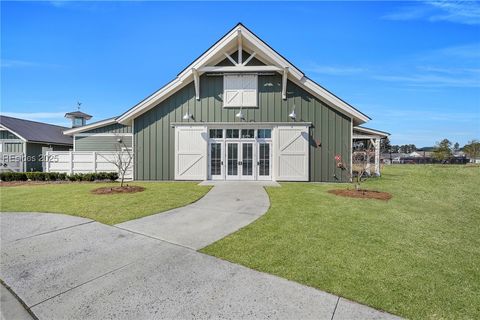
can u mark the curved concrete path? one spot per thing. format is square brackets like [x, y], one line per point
[228, 207]
[64, 267]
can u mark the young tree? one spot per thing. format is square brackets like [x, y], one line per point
[122, 159]
[361, 154]
[443, 150]
[472, 149]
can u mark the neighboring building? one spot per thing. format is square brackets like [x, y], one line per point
[23, 143]
[240, 111]
[105, 135]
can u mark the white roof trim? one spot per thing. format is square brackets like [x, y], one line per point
[95, 125]
[248, 38]
[371, 131]
[8, 129]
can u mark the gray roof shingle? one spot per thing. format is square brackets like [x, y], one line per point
[34, 131]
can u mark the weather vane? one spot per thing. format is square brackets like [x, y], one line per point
[78, 105]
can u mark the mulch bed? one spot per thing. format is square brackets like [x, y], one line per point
[116, 190]
[362, 193]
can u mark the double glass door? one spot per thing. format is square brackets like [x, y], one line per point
[240, 160]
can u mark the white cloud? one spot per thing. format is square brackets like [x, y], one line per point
[467, 51]
[433, 80]
[57, 118]
[464, 12]
[7, 63]
[336, 70]
[13, 63]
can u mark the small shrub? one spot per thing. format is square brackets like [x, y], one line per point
[56, 176]
[90, 177]
[36, 176]
[62, 176]
[113, 176]
[103, 176]
[13, 176]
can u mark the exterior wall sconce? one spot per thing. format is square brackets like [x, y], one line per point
[240, 115]
[293, 115]
[188, 116]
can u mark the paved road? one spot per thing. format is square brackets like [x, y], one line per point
[65, 267]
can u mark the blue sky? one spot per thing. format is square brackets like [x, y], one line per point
[413, 67]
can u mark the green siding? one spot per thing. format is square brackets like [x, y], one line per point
[112, 128]
[101, 143]
[154, 136]
[4, 134]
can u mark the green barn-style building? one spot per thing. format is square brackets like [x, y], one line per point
[241, 111]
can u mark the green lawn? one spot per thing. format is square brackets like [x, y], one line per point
[417, 255]
[76, 199]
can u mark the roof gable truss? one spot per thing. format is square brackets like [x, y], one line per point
[240, 39]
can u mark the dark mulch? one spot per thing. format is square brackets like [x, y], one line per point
[115, 190]
[362, 193]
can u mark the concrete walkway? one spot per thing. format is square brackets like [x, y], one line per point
[65, 267]
[228, 207]
[10, 307]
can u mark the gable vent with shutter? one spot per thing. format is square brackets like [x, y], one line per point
[240, 90]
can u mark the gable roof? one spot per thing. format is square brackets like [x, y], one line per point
[216, 53]
[369, 131]
[32, 131]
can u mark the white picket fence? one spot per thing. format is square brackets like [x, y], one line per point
[72, 162]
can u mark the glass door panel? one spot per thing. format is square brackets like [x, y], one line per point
[216, 160]
[232, 160]
[247, 160]
[264, 163]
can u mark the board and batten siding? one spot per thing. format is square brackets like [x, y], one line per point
[154, 136]
[111, 128]
[107, 142]
[101, 143]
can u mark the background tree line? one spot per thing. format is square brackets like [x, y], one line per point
[442, 151]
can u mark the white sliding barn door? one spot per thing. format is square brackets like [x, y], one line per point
[291, 144]
[191, 153]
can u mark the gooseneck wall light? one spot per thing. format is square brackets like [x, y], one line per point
[292, 114]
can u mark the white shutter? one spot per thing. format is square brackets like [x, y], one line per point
[240, 90]
[291, 153]
[191, 153]
[233, 92]
[249, 93]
